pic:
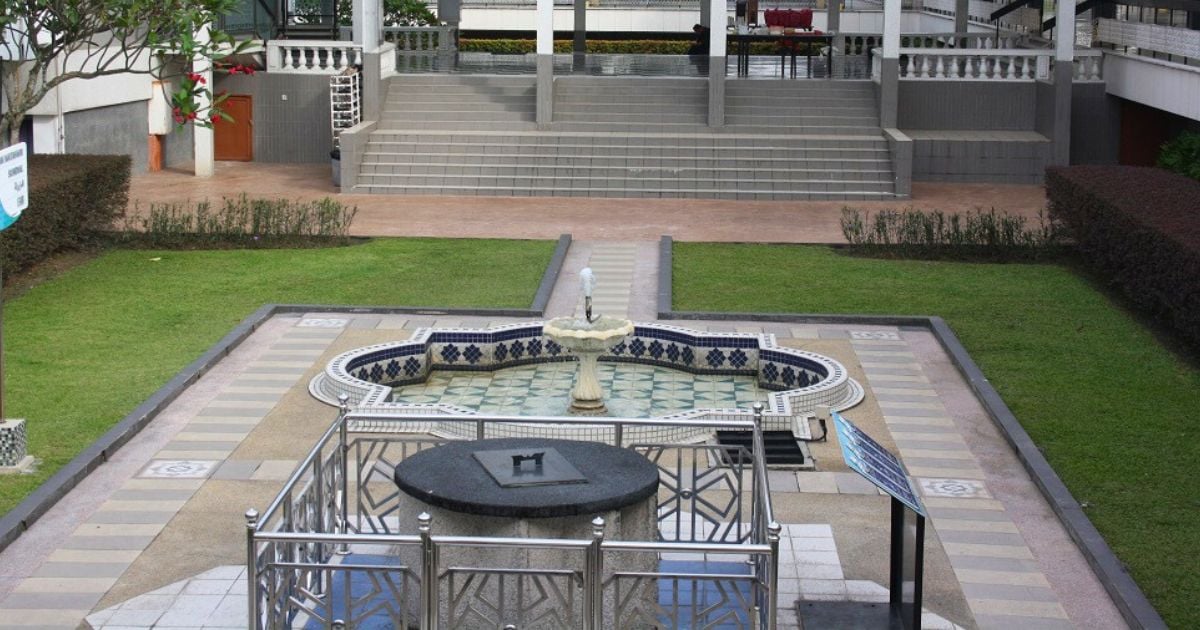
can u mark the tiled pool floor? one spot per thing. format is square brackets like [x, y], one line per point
[632, 390]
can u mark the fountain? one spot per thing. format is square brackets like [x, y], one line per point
[587, 339]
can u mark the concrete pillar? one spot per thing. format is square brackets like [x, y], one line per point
[449, 11]
[545, 61]
[1064, 70]
[580, 40]
[833, 16]
[203, 152]
[962, 11]
[366, 24]
[716, 61]
[706, 14]
[889, 76]
[372, 83]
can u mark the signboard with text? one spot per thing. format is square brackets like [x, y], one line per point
[871, 460]
[14, 184]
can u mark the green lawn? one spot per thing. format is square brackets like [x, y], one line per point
[83, 350]
[1112, 409]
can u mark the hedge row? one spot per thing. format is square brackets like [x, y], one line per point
[603, 47]
[71, 199]
[1140, 227]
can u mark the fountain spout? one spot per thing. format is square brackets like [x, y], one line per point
[587, 281]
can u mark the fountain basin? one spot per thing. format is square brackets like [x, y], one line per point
[798, 380]
[587, 340]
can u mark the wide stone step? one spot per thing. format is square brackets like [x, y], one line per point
[417, 116]
[398, 95]
[555, 190]
[456, 126]
[371, 172]
[461, 79]
[440, 140]
[827, 160]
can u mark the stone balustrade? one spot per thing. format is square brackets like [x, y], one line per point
[311, 56]
[950, 64]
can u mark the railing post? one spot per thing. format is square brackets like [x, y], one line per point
[618, 435]
[251, 570]
[344, 446]
[593, 579]
[773, 531]
[480, 429]
[429, 599]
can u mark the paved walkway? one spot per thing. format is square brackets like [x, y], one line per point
[586, 219]
[155, 537]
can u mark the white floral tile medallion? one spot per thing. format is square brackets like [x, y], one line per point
[888, 335]
[953, 488]
[178, 469]
[326, 322]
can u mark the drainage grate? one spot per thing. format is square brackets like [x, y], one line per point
[783, 450]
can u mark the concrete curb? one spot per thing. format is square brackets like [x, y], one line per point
[1128, 597]
[34, 506]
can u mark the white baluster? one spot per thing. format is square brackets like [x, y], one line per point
[1043, 67]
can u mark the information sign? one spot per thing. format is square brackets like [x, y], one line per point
[871, 460]
[14, 183]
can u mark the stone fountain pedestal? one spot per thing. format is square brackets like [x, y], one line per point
[453, 484]
[587, 341]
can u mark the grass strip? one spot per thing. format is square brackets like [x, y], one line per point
[84, 349]
[1112, 409]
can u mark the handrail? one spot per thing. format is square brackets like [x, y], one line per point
[296, 475]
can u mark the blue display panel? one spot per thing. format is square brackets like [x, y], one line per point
[871, 460]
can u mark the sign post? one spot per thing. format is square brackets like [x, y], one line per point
[14, 198]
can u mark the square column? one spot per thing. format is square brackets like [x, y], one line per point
[889, 67]
[580, 39]
[367, 24]
[1064, 70]
[833, 16]
[449, 11]
[545, 61]
[718, 10]
[203, 141]
[962, 14]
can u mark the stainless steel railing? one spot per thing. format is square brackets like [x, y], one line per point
[302, 568]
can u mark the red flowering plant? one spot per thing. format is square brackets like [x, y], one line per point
[50, 42]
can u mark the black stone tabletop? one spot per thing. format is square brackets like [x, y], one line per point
[450, 477]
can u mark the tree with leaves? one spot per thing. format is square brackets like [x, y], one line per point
[46, 43]
[395, 13]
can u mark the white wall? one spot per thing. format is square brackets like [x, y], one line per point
[79, 94]
[1170, 87]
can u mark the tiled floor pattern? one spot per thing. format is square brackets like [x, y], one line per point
[631, 390]
[86, 565]
[1001, 580]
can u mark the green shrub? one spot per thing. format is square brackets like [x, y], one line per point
[241, 222]
[1182, 155]
[917, 234]
[1139, 228]
[72, 199]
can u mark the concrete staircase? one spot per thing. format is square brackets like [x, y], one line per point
[627, 137]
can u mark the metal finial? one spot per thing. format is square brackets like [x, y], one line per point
[598, 527]
[251, 516]
[424, 522]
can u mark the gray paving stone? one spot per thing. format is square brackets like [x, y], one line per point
[967, 515]
[132, 517]
[1009, 591]
[232, 412]
[81, 569]
[782, 481]
[138, 494]
[250, 381]
[980, 538]
[900, 358]
[297, 345]
[872, 371]
[291, 358]
[220, 427]
[364, 322]
[180, 445]
[107, 542]
[889, 397]
[832, 333]
[280, 370]
[930, 445]
[1008, 622]
[988, 563]
[243, 396]
[237, 469]
[853, 483]
[50, 601]
[901, 427]
[891, 412]
[930, 462]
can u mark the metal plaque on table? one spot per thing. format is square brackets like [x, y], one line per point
[871, 460]
[518, 468]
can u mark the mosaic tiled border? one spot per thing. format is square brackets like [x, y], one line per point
[801, 380]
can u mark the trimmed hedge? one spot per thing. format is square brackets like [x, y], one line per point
[1140, 227]
[72, 198]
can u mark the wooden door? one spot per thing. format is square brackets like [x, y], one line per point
[235, 140]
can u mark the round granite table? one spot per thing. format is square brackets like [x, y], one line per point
[601, 478]
[478, 489]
